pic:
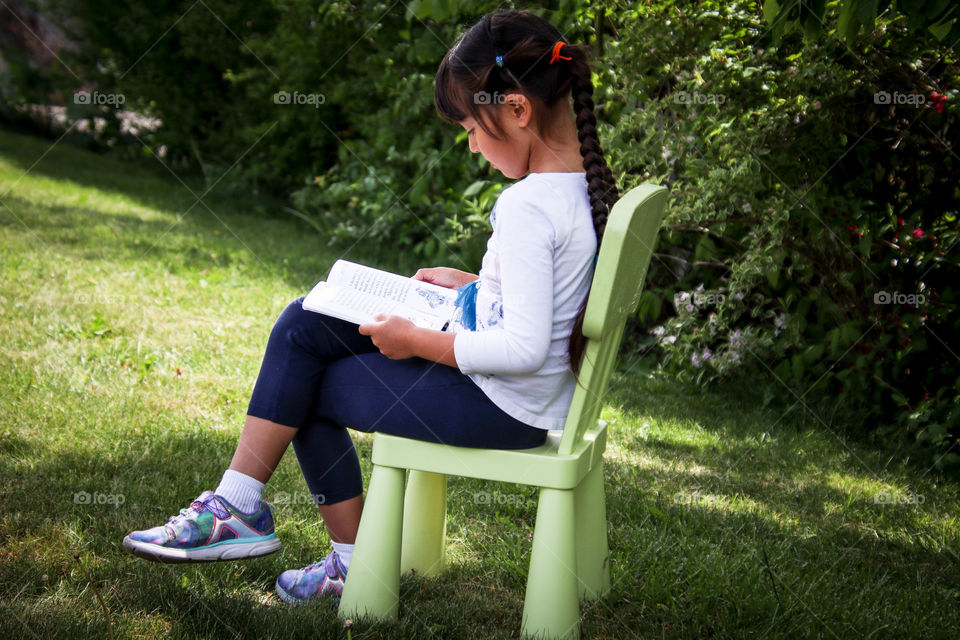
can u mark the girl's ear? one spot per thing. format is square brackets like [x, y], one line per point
[518, 108]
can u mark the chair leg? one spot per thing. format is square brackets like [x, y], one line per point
[424, 523]
[593, 560]
[372, 587]
[550, 607]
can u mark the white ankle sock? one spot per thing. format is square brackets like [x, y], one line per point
[344, 551]
[240, 490]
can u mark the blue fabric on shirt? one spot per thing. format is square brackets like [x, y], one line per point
[467, 301]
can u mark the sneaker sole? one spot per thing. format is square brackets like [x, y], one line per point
[227, 550]
[286, 597]
[294, 600]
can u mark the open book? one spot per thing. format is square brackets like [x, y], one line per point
[356, 293]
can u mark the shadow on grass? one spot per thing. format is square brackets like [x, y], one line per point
[737, 407]
[678, 569]
[257, 224]
[252, 230]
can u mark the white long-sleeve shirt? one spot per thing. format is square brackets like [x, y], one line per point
[534, 278]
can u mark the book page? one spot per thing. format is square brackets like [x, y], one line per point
[420, 297]
[358, 277]
[359, 307]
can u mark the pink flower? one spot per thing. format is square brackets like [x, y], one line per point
[917, 233]
[938, 99]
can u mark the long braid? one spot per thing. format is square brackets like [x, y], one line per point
[601, 185]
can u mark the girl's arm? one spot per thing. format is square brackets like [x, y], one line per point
[445, 276]
[398, 338]
[434, 345]
[525, 240]
[526, 257]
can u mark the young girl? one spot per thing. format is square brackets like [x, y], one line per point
[500, 378]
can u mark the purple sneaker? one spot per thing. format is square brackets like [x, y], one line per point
[319, 580]
[209, 529]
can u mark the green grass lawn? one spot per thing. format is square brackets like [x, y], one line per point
[134, 319]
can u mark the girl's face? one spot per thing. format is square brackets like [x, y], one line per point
[508, 155]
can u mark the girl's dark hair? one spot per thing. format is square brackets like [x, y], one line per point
[469, 81]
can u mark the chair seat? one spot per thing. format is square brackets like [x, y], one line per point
[540, 466]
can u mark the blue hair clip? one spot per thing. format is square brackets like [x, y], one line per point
[499, 61]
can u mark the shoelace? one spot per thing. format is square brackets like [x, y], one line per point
[321, 564]
[196, 508]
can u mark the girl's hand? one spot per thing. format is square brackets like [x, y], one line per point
[393, 335]
[445, 277]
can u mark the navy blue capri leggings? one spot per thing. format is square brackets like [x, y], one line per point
[320, 376]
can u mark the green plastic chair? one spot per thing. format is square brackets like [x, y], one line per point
[403, 526]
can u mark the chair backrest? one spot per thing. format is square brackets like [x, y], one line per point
[625, 252]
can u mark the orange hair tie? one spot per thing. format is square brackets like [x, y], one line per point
[556, 52]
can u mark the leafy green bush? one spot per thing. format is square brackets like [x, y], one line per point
[202, 68]
[812, 215]
[940, 18]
